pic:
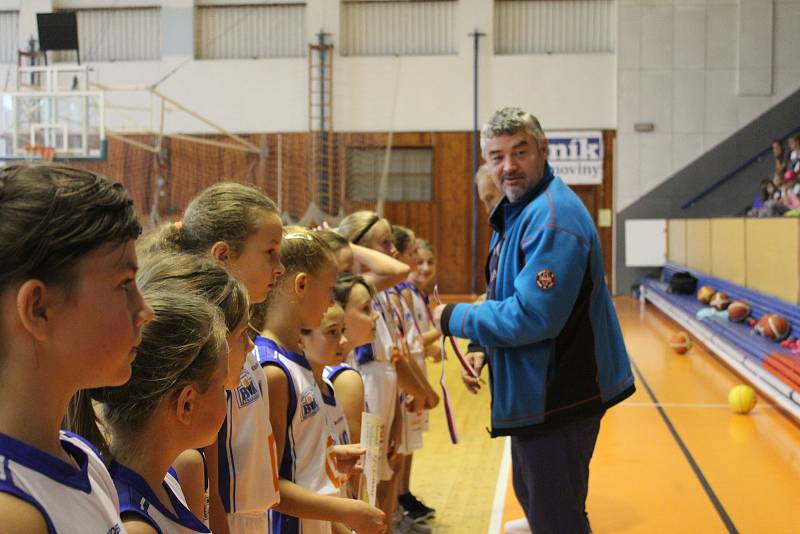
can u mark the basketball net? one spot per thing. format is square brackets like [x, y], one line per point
[39, 153]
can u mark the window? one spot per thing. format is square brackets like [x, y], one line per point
[250, 31]
[9, 28]
[398, 27]
[554, 26]
[410, 174]
[117, 34]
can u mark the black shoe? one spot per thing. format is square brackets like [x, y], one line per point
[414, 508]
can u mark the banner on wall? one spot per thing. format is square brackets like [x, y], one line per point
[577, 156]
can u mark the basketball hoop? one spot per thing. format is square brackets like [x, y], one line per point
[39, 153]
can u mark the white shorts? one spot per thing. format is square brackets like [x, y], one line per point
[413, 428]
[420, 359]
[380, 395]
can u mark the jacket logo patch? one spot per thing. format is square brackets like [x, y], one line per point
[546, 279]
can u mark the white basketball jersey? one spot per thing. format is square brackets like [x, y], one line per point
[421, 310]
[70, 498]
[308, 459]
[136, 497]
[341, 432]
[380, 350]
[248, 465]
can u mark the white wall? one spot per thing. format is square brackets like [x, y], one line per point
[433, 92]
[698, 70]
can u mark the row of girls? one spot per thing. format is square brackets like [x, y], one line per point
[135, 397]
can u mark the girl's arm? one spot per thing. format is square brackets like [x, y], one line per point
[20, 517]
[377, 268]
[349, 388]
[192, 477]
[298, 501]
[134, 525]
[217, 517]
[358, 515]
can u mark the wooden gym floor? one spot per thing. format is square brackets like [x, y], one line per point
[672, 458]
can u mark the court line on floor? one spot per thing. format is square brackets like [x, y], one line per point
[723, 515]
[499, 503]
[684, 405]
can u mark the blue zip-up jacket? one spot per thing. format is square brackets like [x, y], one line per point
[554, 344]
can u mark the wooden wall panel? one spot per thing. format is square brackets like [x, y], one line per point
[284, 175]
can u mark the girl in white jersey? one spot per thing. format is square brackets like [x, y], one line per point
[385, 368]
[67, 266]
[175, 399]
[420, 335]
[308, 457]
[212, 280]
[354, 295]
[240, 228]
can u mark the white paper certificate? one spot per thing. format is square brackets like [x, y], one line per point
[372, 430]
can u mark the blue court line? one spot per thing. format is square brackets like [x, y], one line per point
[723, 515]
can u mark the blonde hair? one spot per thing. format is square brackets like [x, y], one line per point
[358, 226]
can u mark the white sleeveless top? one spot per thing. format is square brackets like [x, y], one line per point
[138, 498]
[380, 350]
[341, 432]
[308, 459]
[248, 464]
[70, 498]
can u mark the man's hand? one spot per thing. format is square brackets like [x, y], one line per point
[437, 317]
[476, 359]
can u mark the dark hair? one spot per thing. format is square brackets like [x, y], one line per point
[335, 241]
[345, 283]
[51, 216]
[225, 211]
[401, 236]
[200, 274]
[424, 244]
[180, 346]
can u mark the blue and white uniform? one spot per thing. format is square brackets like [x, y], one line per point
[341, 432]
[248, 464]
[379, 373]
[413, 423]
[308, 459]
[70, 497]
[422, 316]
[137, 498]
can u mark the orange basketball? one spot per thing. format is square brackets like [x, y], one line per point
[720, 301]
[680, 342]
[738, 311]
[773, 326]
[704, 294]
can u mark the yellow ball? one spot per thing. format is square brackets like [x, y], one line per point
[742, 399]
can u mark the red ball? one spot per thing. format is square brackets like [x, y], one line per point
[720, 301]
[680, 342]
[773, 326]
[738, 311]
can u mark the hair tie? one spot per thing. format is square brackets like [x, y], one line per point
[372, 222]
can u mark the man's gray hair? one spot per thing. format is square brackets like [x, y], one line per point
[483, 172]
[508, 121]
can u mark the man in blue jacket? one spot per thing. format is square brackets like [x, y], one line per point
[556, 355]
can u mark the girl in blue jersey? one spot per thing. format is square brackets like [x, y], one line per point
[67, 267]
[308, 457]
[240, 228]
[175, 399]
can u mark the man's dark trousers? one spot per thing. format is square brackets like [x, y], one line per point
[551, 476]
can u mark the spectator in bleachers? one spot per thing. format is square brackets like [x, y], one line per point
[793, 164]
[779, 152]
